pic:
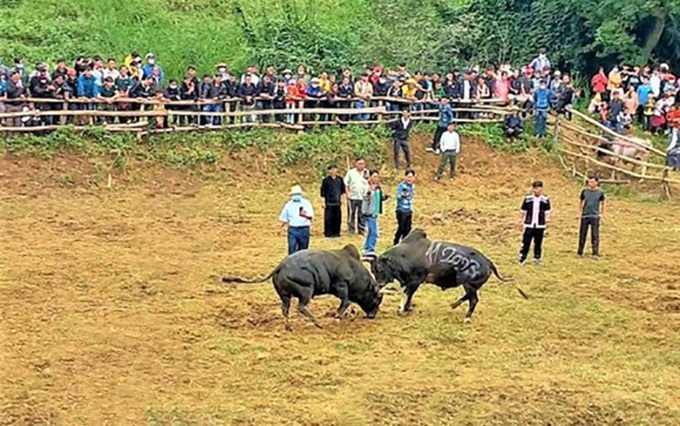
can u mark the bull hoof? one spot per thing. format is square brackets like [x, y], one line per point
[467, 321]
[454, 305]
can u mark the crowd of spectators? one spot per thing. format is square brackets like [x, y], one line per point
[110, 85]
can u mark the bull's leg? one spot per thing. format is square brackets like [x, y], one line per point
[302, 307]
[459, 302]
[471, 295]
[406, 302]
[343, 294]
[285, 310]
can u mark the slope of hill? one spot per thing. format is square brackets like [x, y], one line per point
[111, 310]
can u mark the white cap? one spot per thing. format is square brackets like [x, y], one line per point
[296, 190]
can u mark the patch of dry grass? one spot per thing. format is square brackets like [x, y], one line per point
[111, 312]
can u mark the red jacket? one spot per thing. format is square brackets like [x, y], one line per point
[599, 83]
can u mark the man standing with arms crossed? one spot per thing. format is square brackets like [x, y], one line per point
[297, 214]
[356, 184]
[592, 214]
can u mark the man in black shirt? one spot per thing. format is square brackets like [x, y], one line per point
[402, 129]
[533, 218]
[332, 191]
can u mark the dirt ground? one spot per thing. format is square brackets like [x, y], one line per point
[111, 310]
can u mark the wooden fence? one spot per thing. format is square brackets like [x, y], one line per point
[148, 116]
[579, 142]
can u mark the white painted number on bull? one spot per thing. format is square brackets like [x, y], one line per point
[450, 255]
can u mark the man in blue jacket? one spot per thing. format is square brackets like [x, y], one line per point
[87, 88]
[147, 69]
[404, 206]
[445, 117]
[542, 100]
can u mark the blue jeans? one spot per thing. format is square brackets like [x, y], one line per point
[372, 235]
[541, 118]
[298, 238]
[215, 120]
[362, 117]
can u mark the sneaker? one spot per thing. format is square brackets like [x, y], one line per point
[580, 255]
[596, 257]
[538, 262]
[437, 152]
[522, 261]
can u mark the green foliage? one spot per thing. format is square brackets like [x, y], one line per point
[493, 136]
[330, 34]
[316, 148]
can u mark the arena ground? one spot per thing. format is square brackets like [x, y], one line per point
[111, 310]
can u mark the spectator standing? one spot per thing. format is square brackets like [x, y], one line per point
[402, 129]
[111, 70]
[599, 83]
[371, 209]
[297, 214]
[615, 110]
[450, 147]
[332, 191]
[147, 69]
[445, 117]
[540, 62]
[356, 185]
[248, 92]
[592, 214]
[405, 206]
[542, 98]
[533, 218]
[363, 89]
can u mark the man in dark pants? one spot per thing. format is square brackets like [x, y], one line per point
[297, 214]
[592, 213]
[332, 191]
[445, 117]
[404, 206]
[402, 128]
[533, 217]
[356, 184]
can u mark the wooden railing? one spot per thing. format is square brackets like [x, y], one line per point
[579, 142]
[170, 116]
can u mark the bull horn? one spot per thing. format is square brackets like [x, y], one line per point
[369, 258]
[387, 290]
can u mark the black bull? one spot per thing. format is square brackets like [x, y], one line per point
[311, 273]
[417, 260]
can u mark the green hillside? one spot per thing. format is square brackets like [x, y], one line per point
[332, 33]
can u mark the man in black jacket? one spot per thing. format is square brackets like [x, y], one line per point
[513, 124]
[402, 129]
[533, 218]
[332, 191]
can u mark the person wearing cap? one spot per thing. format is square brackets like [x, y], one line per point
[534, 216]
[223, 69]
[405, 205]
[314, 95]
[107, 94]
[513, 128]
[147, 69]
[542, 100]
[541, 61]
[297, 215]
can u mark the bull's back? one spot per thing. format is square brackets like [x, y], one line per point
[466, 263]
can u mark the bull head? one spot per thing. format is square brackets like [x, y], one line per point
[380, 270]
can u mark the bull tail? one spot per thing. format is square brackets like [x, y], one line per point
[230, 279]
[507, 280]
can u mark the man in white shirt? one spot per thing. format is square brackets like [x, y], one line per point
[356, 184]
[297, 214]
[450, 147]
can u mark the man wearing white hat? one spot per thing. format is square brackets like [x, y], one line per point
[297, 214]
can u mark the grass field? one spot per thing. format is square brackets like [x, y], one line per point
[111, 310]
